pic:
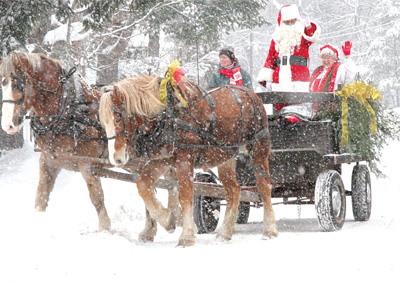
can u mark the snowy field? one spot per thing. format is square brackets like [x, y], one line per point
[63, 243]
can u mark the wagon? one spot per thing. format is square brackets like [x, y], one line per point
[305, 168]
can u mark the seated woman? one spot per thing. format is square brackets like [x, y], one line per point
[332, 74]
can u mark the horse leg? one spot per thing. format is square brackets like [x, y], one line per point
[173, 196]
[96, 195]
[185, 177]
[265, 188]
[145, 185]
[173, 205]
[47, 178]
[227, 175]
[150, 229]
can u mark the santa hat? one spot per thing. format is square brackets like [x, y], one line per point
[329, 49]
[288, 12]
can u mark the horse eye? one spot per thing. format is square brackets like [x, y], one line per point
[118, 119]
[4, 81]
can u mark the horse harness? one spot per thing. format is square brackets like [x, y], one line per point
[169, 123]
[72, 116]
[259, 132]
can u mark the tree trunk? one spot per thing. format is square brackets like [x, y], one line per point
[107, 60]
[154, 43]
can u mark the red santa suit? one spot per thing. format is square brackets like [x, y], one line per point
[287, 64]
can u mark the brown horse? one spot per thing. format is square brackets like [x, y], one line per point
[65, 124]
[210, 132]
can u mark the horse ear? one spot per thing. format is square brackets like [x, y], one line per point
[16, 60]
[119, 99]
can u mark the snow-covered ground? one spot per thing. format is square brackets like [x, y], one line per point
[63, 244]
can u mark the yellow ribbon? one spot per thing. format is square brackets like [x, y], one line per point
[169, 77]
[362, 92]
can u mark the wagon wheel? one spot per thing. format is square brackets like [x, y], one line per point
[206, 209]
[361, 193]
[245, 177]
[330, 200]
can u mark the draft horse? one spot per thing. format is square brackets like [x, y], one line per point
[215, 129]
[64, 120]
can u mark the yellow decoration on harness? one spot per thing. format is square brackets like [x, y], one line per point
[362, 92]
[169, 77]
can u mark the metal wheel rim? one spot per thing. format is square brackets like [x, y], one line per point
[369, 197]
[336, 200]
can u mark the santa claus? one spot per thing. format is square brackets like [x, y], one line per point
[287, 65]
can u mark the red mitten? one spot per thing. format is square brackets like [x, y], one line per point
[346, 48]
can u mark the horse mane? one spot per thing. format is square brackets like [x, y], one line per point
[141, 95]
[9, 62]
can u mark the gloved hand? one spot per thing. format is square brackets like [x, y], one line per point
[304, 19]
[347, 48]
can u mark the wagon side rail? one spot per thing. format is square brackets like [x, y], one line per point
[275, 97]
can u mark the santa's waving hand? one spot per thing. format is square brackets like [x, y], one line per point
[287, 63]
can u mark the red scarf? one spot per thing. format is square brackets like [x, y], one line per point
[317, 85]
[234, 75]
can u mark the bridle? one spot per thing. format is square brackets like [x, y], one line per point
[20, 86]
[120, 110]
[23, 76]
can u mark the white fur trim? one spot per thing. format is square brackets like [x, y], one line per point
[265, 74]
[294, 86]
[328, 51]
[285, 74]
[289, 13]
[315, 36]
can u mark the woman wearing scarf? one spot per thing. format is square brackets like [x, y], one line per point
[332, 74]
[229, 71]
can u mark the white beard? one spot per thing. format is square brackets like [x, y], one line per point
[288, 37]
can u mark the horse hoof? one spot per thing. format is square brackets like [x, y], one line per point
[145, 238]
[185, 243]
[270, 235]
[105, 226]
[223, 238]
[40, 209]
[172, 224]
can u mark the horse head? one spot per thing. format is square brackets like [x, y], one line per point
[114, 119]
[24, 77]
[126, 111]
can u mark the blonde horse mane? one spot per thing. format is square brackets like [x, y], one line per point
[9, 62]
[141, 96]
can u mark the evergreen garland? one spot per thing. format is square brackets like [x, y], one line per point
[360, 139]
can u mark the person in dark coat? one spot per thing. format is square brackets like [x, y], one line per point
[229, 71]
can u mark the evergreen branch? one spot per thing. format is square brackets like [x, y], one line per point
[156, 7]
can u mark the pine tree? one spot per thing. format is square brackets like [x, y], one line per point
[17, 19]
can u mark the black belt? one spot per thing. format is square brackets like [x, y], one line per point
[294, 61]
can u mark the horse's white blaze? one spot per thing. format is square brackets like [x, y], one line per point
[8, 110]
[113, 154]
[110, 131]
